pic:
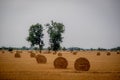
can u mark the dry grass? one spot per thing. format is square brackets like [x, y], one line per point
[26, 68]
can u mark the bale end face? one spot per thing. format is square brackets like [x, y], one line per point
[41, 59]
[60, 63]
[82, 64]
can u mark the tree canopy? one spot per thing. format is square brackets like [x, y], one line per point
[55, 31]
[36, 35]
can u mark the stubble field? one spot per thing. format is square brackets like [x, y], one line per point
[102, 67]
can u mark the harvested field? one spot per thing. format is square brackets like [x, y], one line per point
[27, 68]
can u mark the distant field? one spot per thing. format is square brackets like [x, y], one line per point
[102, 67]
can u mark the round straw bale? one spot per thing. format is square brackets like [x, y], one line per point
[32, 54]
[17, 55]
[82, 64]
[59, 54]
[3, 51]
[41, 59]
[98, 53]
[75, 52]
[54, 53]
[108, 53]
[60, 63]
[118, 52]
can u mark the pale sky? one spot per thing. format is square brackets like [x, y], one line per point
[88, 23]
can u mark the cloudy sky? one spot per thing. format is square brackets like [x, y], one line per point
[88, 23]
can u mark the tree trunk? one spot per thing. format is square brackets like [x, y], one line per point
[40, 48]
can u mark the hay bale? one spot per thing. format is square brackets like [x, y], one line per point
[41, 59]
[98, 53]
[17, 55]
[3, 51]
[82, 64]
[108, 53]
[118, 52]
[32, 55]
[59, 54]
[54, 53]
[75, 52]
[60, 63]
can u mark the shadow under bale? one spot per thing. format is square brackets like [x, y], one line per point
[41, 59]
[60, 63]
[82, 64]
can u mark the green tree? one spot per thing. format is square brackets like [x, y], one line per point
[36, 35]
[55, 31]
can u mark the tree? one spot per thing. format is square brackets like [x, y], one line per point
[64, 49]
[55, 31]
[36, 35]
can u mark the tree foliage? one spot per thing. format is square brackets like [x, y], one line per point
[36, 35]
[55, 31]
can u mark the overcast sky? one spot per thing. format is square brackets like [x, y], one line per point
[88, 23]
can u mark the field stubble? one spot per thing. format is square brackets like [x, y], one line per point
[102, 67]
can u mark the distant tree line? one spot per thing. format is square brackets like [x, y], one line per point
[62, 48]
[115, 49]
[14, 48]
